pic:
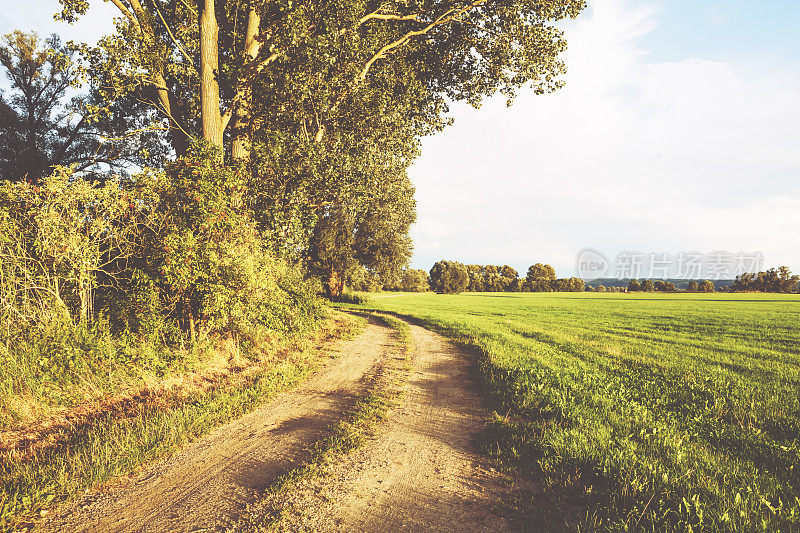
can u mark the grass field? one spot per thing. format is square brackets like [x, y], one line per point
[655, 412]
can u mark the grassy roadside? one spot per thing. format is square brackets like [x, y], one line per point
[344, 436]
[111, 446]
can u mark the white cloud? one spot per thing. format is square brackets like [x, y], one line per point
[632, 154]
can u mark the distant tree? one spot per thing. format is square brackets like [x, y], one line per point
[541, 271]
[372, 233]
[40, 127]
[692, 287]
[664, 286]
[491, 279]
[414, 280]
[634, 286]
[706, 286]
[541, 285]
[515, 286]
[475, 273]
[568, 285]
[363, 280]
[575, 285]
[449, 277]
[779, 280]
[540, 278]
[510, 278]
[647, 286]
[601, 288]
[331, 252]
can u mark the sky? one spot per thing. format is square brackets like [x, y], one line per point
[678, 131]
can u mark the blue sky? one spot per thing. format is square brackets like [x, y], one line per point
[678, 131]
[742, 31]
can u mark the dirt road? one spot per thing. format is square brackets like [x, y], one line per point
[421, 472]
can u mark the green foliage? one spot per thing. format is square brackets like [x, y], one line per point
[664, 286]
[414, 280]
[648, 286]
[350, 298]
[370, 233]
[677, 413]
[541, 278]
[61, 239]
[363, 280]
[706, 286]
[634, 285]
[492, 278]
[330, 98]
[449, 277]
[779, 280]
[213, 272]
[101, 285]
[41, 128]
[330, 69]
[693, 287]
[541, 271]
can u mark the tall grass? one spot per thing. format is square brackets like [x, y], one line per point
[658, 412]
[111, 446]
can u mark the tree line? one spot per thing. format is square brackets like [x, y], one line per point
[447, 277]
[454, 277]
[780, 280]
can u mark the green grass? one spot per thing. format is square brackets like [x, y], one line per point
[112, 447]
[656, 412]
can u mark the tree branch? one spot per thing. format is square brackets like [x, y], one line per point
[174, 40]
[445, 18]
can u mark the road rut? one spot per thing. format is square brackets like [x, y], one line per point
[422, 471]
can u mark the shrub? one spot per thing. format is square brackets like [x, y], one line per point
[213, 271]
[60, 240]
[160, 255]
[349, 298]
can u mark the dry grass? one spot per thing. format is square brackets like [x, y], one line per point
[222, 365]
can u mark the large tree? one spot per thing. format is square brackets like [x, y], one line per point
[318, 98]
[41, 127]
[221, 70]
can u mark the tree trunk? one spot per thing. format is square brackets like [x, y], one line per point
[240, 149]
[209, 75]
[334, 285]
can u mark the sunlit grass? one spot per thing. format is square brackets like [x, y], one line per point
[671, 411]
